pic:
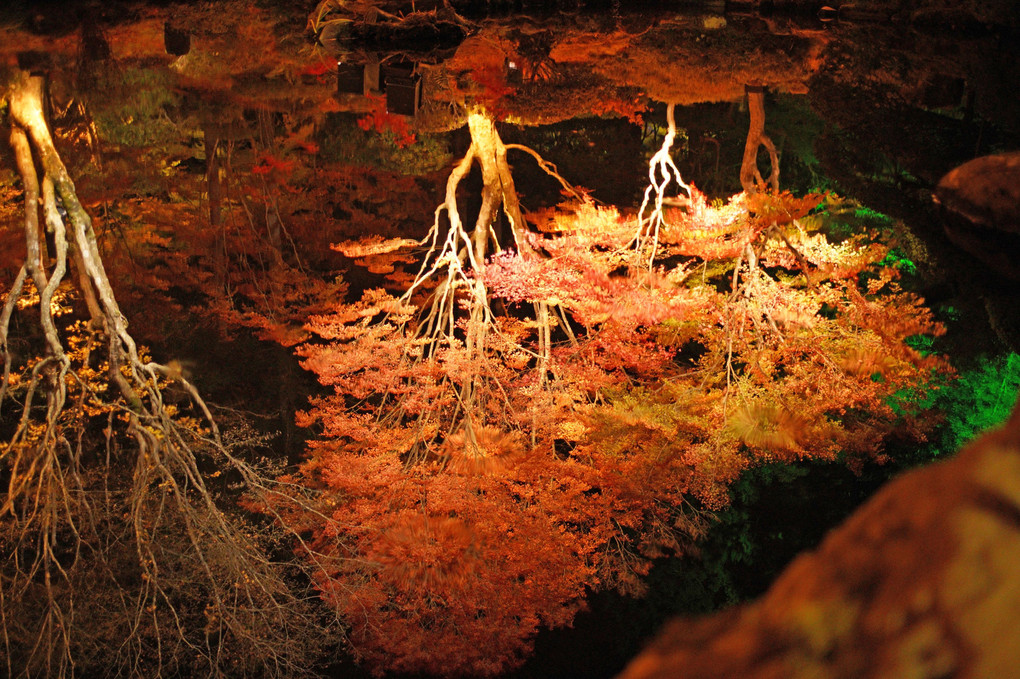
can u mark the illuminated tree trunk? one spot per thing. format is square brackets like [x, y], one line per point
[498, 191]
[662, 173]
[67, 517]
[212, 173]
[30, 132]
[750, 177]
[458, 262]
[464, 248]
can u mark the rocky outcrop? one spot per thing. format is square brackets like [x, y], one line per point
[980, 206]
[921, 582]
[985, 191]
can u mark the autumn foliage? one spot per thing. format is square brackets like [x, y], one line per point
[513, 429]
[382, 121]
[580, 413]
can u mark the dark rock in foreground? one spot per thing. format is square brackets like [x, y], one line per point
[922, 581]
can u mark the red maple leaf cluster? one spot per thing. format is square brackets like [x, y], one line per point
[476, 484]
[382, 121]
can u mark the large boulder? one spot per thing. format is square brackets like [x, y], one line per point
[985, 191]
[922, 582]
[980, 206]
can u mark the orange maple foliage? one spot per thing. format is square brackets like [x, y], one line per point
[489, 477]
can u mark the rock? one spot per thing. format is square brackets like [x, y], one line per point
[985, 191]
[921, 582]
[980, 206]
